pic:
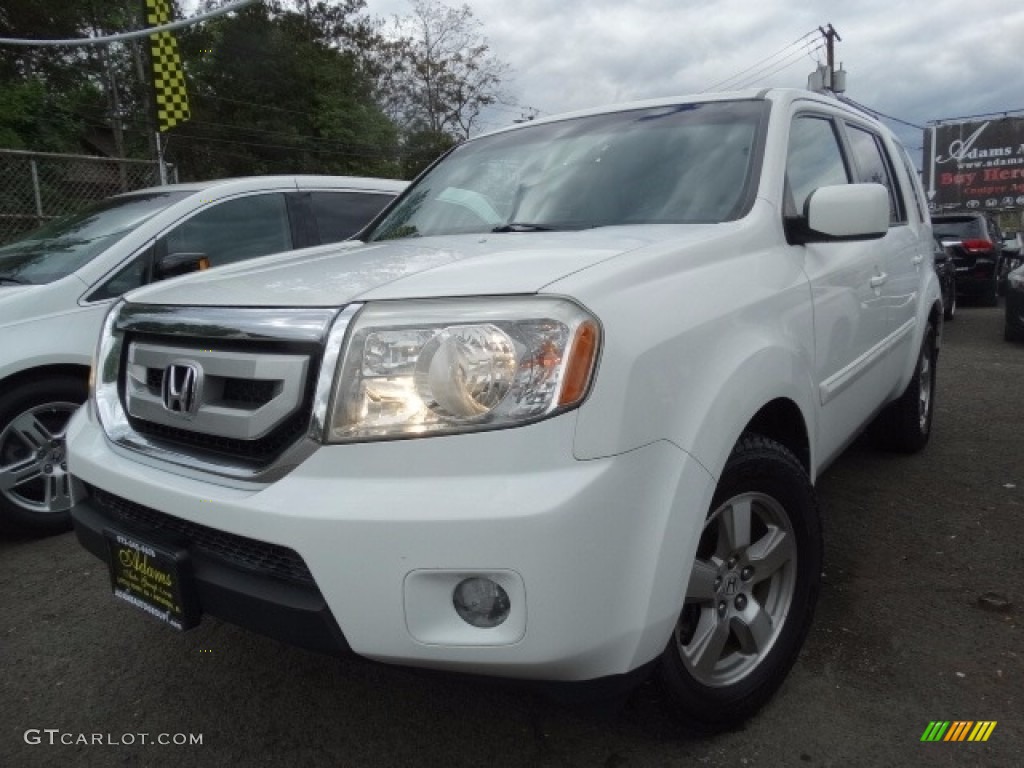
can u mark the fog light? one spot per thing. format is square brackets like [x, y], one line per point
[481, 602]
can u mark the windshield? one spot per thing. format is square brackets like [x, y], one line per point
[679, 164]
[57, 249]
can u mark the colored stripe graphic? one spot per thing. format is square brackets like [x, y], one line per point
[958, 730]
[982, 730]
[935, 730]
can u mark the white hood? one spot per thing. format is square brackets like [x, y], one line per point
[463, 265]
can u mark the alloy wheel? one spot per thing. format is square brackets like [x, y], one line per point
[740, 591]
[33, 460]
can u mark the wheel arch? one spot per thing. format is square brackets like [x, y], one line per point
[782, 421]
[39, 372]
[770, 393]
[782, 411]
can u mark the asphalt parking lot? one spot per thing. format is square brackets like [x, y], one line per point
[902, 638]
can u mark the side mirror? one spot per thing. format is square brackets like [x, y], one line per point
[841, 213]
[174, 264]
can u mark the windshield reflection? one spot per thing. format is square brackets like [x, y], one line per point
[60, 247]
[676, 164]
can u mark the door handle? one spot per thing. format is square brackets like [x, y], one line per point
[916, 261]
[878, 279]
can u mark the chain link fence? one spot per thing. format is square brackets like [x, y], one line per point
[36, 186]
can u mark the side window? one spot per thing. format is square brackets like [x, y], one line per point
[235, 230]
[814, 160]
[869, 156]
[915, 185]
[339, 215]
[134, 275]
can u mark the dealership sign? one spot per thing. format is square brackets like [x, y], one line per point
[976, 165]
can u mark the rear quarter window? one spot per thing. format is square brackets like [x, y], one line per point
[339, 215]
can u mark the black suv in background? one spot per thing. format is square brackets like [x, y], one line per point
[976, 245]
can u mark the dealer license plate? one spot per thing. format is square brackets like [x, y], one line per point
[154, 579]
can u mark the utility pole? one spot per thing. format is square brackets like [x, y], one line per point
[826, 78]
[830, 36]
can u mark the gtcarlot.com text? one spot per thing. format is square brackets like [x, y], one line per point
[55, 736]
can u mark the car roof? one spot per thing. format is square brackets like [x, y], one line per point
[776, 95]
[254, 183]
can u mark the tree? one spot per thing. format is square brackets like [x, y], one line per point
[280, 90]
[59, 97]
[437, 71]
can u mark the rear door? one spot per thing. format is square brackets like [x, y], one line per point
[905, 251]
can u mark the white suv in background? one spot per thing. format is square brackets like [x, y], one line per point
[57, 282]
[559, 418]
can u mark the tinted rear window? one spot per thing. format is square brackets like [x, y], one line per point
[966, 227]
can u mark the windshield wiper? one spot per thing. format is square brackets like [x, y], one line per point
[518, 226]
[13, 281]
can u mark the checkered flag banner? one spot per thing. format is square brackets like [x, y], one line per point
[168, 76]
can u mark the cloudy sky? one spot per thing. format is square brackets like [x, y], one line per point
[917, 60]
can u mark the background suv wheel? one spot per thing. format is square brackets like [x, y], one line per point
[36, 490]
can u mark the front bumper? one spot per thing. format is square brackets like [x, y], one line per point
[596, 554]
[290, 610]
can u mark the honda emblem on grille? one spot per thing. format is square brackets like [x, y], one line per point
[182, 387]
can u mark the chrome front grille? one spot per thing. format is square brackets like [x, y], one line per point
[237, 392]
[217, 374]
[247, 402]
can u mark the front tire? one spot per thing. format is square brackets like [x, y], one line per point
[36, 490]
[752, 590]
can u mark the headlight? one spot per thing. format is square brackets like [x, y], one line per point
[1016, 279]
[420, 368]
[105, 359]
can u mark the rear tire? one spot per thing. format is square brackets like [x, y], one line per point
[36, 491]
[991, 296]
[751, 593]
[906, 424]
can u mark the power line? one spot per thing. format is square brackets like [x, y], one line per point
[876, 113]
[756, 64]
[322, 141]
[130, 35]
[178, 136]
[251, 104]
[784, 64]
[1003, 112]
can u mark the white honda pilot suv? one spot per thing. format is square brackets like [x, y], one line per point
[557, 416]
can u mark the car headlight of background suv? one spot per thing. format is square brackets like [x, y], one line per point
[420, 368]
